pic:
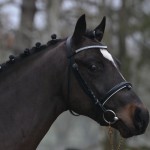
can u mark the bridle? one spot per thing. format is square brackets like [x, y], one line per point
[99, 103]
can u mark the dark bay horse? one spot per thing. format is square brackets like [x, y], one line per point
[77, 74]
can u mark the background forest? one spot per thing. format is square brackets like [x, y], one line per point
[127, 35]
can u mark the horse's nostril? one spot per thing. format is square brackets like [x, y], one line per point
[140, 119]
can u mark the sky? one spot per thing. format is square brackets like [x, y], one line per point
[12, 13]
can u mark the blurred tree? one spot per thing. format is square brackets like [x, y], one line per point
[25, 31]
[53, 9]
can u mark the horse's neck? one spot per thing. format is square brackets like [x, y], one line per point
[30, 100]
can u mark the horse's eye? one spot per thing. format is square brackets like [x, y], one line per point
[93, 68]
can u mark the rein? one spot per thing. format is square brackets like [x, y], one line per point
[110, 133]
[99, 103]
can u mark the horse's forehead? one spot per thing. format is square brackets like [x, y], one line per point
[108, 56]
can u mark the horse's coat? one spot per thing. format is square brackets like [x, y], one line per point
[34, 90]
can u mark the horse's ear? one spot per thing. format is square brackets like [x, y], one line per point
[99, 30]
[80, 29]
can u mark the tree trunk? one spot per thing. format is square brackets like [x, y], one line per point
[53, 13]
[24, 34]
[122, 34]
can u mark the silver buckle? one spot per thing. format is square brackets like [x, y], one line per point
[115, 118]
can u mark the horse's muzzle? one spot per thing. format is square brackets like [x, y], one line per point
[134, 123]
[140, 120]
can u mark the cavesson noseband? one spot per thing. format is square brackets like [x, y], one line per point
[100, 103]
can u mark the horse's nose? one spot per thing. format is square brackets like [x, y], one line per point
[141, 119]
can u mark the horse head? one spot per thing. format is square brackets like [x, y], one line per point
[96, 87]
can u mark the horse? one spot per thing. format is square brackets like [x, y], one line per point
[76, 73]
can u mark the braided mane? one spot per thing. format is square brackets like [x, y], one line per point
[37, 48]
[27, 52]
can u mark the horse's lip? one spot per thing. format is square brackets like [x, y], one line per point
[124, 130]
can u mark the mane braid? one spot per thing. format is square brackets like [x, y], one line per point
[27, 52]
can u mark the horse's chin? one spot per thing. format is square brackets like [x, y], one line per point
[126, 133]
[124, 130]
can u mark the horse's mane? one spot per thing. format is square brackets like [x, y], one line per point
[28, 52]
[37, 48]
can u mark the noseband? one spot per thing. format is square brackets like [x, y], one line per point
[99, 103]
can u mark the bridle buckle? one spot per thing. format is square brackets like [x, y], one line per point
[110, 114]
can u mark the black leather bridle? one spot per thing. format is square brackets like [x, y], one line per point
[100, 103]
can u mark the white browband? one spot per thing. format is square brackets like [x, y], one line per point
[89, 47]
